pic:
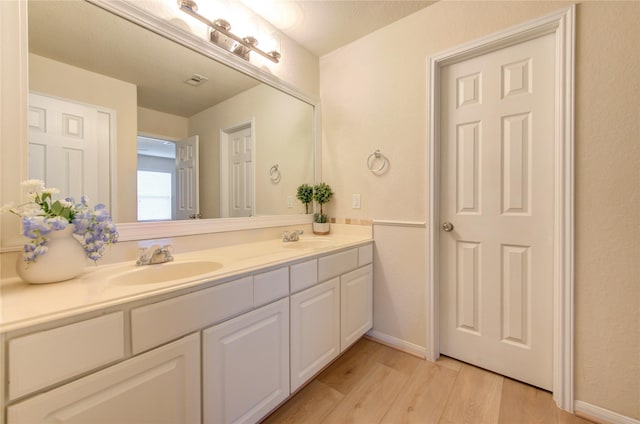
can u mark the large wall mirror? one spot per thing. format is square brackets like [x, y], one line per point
[183, 135]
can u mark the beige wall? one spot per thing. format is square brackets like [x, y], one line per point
[163, 125]
[607, 205]
[374, 96]
[283, 128]
[48, 76]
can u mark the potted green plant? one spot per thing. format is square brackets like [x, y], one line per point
[322, 193]
[305, 195]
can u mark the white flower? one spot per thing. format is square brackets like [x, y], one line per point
[65, 203]
[33, 185]
[8, 207]
[51, 190]
[31, 209]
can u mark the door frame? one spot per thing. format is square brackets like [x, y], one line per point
[562, 25]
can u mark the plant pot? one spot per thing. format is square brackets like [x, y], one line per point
[64, 259]
[321, 229]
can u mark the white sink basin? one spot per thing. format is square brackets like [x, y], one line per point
[150, 274]
[310, 243]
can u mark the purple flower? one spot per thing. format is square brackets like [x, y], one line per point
[57, 223]
[34, 226]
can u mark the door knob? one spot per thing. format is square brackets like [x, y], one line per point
[447, 226]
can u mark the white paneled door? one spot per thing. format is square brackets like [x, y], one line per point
[497, 211]
[187, 176]
[241, 173]
[66, 140]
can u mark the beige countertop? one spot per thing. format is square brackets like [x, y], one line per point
[23, 304]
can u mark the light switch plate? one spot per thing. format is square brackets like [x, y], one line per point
[289, 202]
[355, 201]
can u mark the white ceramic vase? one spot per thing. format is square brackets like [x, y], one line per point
[321, 229]
[65, 259]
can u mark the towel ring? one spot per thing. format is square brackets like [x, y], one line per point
[274, 174]
[371, 160]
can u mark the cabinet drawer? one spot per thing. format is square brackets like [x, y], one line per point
[167, 320]
[270, 286]
[365, 255]
[333, 265]
[42, 359]
[304, 275]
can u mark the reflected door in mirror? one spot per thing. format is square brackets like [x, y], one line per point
[187, 159]
[238, 198]
[66, 139]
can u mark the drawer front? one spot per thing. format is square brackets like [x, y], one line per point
[42, 359]
[304, 275]
[167, 320]
[270, 286]
[365, 255]
[333, 265]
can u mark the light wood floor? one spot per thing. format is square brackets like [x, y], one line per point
[372, 383]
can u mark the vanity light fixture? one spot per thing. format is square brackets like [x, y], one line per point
[222, 36]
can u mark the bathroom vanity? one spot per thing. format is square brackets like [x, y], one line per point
[229, 345]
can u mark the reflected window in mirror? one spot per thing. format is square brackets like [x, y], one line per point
[156, 179]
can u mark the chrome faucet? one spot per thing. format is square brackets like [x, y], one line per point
[292, 236]
[155, 255]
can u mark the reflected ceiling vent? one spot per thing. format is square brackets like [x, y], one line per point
[196, 80]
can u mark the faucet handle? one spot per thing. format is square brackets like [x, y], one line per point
[168, 251]
[143, 256]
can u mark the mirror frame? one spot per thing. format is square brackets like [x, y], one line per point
[18, 99]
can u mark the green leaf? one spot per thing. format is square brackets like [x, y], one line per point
[56, 208]
[66, 214]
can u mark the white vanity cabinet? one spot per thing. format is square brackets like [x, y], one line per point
[356, 305]
[315, 330]
[246, 365]
[160, 386]
[327, 318]
[227, 352]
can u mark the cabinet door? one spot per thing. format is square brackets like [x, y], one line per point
[356, 305]
[160, 386]
[246, 365]
[315, 330]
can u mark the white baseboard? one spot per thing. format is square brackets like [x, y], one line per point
[403, 345]
[601, 414]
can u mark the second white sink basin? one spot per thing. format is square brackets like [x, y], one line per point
[160, 273]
